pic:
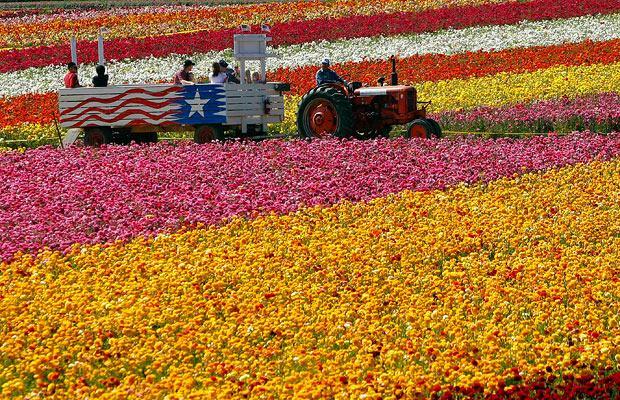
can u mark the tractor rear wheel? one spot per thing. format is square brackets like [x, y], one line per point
[435, 126]
[323, 112]
[95, 137]
[419, 128]
[208, 133]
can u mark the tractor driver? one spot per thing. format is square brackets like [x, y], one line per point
[327, 75]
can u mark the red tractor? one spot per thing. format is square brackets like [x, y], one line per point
[354, 110]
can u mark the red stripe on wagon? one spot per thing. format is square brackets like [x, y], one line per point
[111, 111]
[90, 117]
[109, 100]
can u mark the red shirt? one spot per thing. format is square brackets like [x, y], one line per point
[71, 80]
[182, 74]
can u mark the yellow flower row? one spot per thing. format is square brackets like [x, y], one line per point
[402, 295]
[28, 132]
[509, 88]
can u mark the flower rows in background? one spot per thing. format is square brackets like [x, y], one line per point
[325, 29]
[56, 28]
[598, 113]
[96, 196]
[348, 54]
[28, 115]
[426, 57]
[508, 288]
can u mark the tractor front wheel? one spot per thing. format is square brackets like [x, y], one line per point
[208, 133]
[323, 112]
[421, 129]
[95, 137]
[435, 126]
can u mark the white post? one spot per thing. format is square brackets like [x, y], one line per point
[74, 50]
[100, 48]
[242, 71]
[263, 70]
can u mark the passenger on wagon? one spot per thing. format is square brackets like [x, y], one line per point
[218, 75]
[101, 79]
[230, 73]
[71, 78]
[184, 76]
[256, 77]
[327, 75]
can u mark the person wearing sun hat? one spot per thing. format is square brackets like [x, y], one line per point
[184, 76]
[326, 74]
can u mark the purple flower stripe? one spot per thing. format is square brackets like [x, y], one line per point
[601, 109]
[56, 198]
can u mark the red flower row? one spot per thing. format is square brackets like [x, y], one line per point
[29, 108]
[40, 108]
[436, 67]
[605, 386]
[324, 29]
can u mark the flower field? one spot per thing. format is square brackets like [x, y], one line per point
[450, 268]
[495, 271]
[519, 52]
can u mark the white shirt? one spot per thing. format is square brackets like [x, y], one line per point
[220, 78]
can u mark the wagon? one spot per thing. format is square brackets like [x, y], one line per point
[119, 114]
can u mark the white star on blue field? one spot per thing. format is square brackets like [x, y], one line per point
[202, 104]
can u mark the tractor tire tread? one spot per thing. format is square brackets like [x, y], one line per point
[425, 123]
[436, 127]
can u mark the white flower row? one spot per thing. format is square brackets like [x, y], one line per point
[86, 14]
[489, 38]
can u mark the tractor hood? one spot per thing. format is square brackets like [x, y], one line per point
[381, 90]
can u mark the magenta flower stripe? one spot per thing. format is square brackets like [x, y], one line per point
[55, 198]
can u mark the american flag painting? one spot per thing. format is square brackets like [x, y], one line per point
[142, 105]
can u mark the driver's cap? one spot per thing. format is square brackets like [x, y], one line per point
[325, 61]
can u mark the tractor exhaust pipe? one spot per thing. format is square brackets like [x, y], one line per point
[394, 73]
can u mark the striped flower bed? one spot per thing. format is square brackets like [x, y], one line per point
[89, 199]
[568, 41]
[599, 113]
[325, 29]
[503, 289]
[447, 268]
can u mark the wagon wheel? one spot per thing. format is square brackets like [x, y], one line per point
[208, 133]
[324, 112]
[95, 137]
[419, 128]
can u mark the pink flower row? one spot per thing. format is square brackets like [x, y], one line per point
[599, 111]
[55, 198]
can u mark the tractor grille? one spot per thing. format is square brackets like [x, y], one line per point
[411, 100]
